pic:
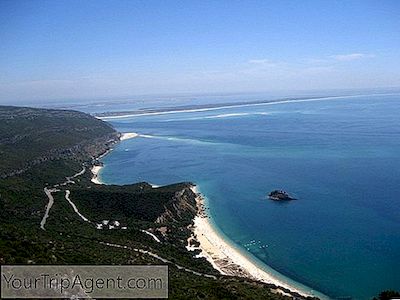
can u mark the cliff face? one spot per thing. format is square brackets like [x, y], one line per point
[29, 137]
[182, 207]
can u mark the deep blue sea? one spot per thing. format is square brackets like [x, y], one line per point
[339, 157]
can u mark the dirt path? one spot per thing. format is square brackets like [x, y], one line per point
[159, 258]
[67, 194]
[49, 205]
[49, 195]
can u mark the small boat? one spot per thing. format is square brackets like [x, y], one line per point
[280, 195]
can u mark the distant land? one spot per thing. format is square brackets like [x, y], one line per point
[212, 106]
[198, 107]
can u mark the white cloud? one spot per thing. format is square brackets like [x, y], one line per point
[351, 56]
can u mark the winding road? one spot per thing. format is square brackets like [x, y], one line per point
[69, 180]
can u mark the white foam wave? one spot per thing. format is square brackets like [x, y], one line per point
[227, 115]
[220, 116]
[177, 139]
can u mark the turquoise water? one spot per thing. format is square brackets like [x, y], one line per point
[340, 158]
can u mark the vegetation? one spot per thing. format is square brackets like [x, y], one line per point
[39, 148]
[388, 295]
[30, 136]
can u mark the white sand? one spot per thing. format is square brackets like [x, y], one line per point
[128, 135]
[95, 171]
[230, 261]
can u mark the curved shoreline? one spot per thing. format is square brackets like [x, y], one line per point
[227, 257]
[95, 174]
[224, 255]
[97, 168]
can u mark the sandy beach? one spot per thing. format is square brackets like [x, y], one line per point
[230, 261]
[128, 135]
[95, 171]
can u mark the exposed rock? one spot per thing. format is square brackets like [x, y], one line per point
[184, 203]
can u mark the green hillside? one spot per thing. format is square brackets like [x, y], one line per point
[30, 136]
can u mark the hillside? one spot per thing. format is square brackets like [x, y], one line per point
[49, 152]
[30, 136]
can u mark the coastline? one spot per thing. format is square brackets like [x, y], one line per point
[95, 174]
[128, 135]
[229, 260]
[218, 250]
[97, 168]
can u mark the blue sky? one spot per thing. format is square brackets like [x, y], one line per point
[90, 49]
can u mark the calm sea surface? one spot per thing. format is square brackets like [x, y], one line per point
[340, 158]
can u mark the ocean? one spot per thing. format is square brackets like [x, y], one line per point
[339, 157]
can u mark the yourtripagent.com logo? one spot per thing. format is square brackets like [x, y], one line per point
[84, 282]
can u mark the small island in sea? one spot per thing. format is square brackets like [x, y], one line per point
[280, 195]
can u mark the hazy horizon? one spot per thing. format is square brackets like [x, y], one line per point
[164, 101]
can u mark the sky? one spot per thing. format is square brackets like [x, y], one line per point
[89, 49]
